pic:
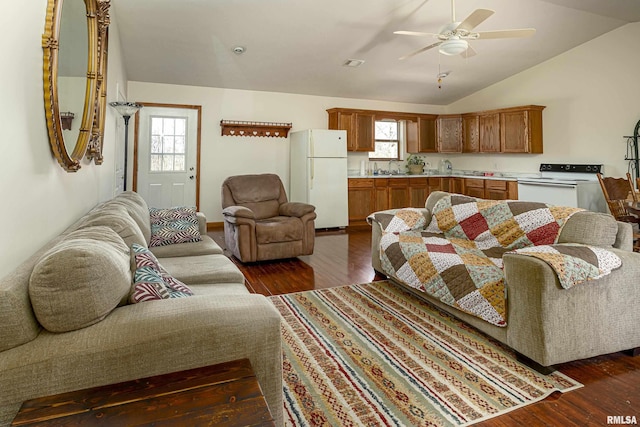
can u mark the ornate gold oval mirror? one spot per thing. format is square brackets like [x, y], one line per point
[74, 44]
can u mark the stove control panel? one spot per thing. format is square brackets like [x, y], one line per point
[566, 167]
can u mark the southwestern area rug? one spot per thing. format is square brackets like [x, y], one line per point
[375, 355]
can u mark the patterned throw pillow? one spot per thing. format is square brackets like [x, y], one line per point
[151, 281]
[173, 225]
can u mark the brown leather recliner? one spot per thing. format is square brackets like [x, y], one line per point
[259, 222]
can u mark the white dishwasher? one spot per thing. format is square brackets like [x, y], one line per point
[565, 184]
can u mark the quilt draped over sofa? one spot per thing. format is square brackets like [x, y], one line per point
[457, 258]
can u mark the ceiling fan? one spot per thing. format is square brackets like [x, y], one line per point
[453, 36]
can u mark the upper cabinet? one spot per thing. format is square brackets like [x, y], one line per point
[489, 124]
[449, 134]
[508, 130]
[470, 133]
[521, 130]
[359, 126]
[421, 134]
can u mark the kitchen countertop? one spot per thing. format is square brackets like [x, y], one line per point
[500, 176]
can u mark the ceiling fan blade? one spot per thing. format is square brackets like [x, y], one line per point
[431, 46]
[476, 18]
[504, 34]
[469, 52]
[415, 33]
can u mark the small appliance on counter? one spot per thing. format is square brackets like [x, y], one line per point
[445, 167]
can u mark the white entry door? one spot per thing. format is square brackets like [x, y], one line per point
[167, 156]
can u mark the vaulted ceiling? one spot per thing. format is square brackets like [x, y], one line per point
[300, 46]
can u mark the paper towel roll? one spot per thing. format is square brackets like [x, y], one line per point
[363, 171]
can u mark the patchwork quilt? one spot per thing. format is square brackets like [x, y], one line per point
[457, 258]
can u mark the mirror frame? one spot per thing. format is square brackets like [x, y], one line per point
[97, 18]
[94, 150]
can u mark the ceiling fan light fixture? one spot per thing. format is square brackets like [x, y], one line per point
[453, 46]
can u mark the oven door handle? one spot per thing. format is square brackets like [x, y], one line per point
[547, 184]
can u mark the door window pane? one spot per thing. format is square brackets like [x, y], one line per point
[168, 144]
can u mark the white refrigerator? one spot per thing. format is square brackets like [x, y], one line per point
[318, 174]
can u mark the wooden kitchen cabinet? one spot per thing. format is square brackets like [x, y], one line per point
[496, 190]
[521, 130]
[470, 133]
[507, 130]
[361, 199]
[365, 132]
[418, 191]
[489, 132]
[360, 127]
[398, 189]
[474, 187]
[422, 134]
[381, 194]
[454, 185]
[449, 131]
[491, 189]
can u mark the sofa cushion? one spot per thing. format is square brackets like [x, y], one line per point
[278, 229]
[118, 219]
[203, 269]
[590, 228]
[80, 280]
[173, 225]
[151, 281]
[138, 209]
[206, 246]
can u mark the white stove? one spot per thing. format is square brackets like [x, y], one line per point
[574, 185]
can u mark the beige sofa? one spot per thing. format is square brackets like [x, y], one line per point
[546, 323]
[84, 270]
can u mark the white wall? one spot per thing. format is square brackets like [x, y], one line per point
[39, 199]
[230, 155]
[592, 95]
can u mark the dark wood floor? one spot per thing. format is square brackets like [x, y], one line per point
[611, 382]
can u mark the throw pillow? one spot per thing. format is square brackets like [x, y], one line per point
[151, 281]
[80, 280]
[173, 225]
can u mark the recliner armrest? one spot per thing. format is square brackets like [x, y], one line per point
[296, 209]
[238, 211]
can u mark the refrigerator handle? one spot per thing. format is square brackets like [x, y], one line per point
[312, 170]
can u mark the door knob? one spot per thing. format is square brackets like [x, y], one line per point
[191, 177]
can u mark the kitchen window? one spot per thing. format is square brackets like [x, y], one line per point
[387, 141]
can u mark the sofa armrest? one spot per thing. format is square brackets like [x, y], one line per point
[553, 325]
[150, 338]
[234, 214]
[202, 222]
[296, 209]
[371, 219]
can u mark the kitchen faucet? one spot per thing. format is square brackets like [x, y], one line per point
[397, 171]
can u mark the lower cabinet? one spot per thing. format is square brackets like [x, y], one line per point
[368, 195]
[398, 193]
[492, 189]
[361, 199]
